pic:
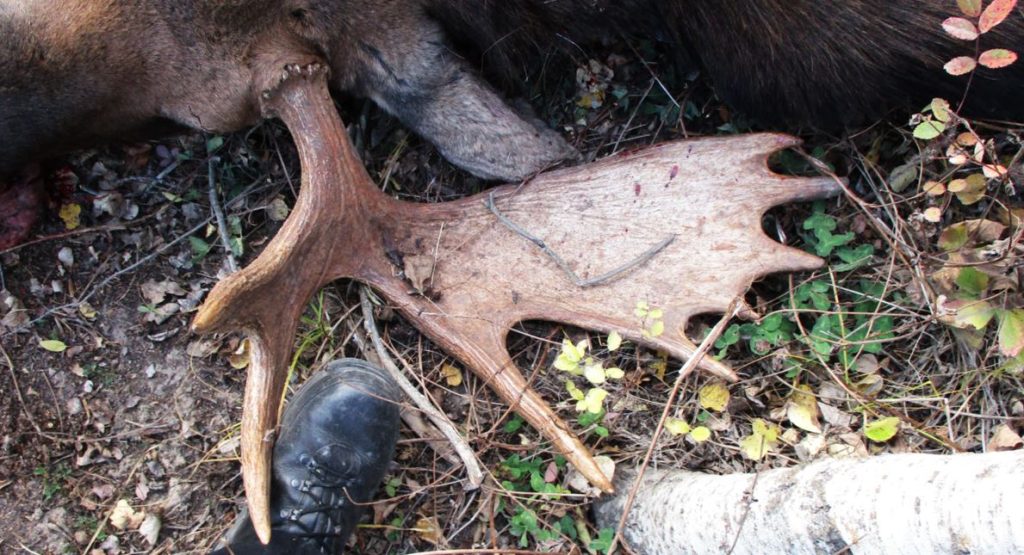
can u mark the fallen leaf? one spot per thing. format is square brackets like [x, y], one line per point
[933, 214]
[1004, 439]
[614, 341]
[802, 410]
[1011, 332]
[451, 375]
[150, 528]
[124, 516]
[763, 439]
[239, 359]
[882, 430]
[53, 345]
[278, 209]
[155, 292]
[700, 434]
[70, 214]
[714, 397]
[428, 529]
[677, 426]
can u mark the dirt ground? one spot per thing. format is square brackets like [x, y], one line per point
[119, 428]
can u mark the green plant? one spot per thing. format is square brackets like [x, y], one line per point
[53, 479]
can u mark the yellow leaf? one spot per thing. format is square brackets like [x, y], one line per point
[657, 328]
[614, 373]
[69, 214]
[593, 372]
[700, 434]
[593, 401]
[614, 341]
[574, 391]
[763, 440]
[240, 358]
[676, 426]
[428, 529]
[86, 310]
[53, 345]
[802, 410]
[452, 375]
[882, 430]
[660, 366]
[714, 397]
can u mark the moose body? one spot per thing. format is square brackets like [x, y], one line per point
[79, 72]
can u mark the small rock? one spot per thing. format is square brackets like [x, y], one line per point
[66, 257]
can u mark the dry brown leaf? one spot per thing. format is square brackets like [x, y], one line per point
[1004, 439]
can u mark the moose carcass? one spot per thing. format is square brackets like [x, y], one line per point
[84, 71]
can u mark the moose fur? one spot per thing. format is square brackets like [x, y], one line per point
[78, 72]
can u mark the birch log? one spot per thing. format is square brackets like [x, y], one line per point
[903, 504]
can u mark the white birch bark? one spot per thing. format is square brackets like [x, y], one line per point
[889, 504]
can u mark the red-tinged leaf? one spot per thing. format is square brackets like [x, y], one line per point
[994, 14]
[1011, 332]
[958, 27]
[997, 58]
[960, 65]
[970, 8]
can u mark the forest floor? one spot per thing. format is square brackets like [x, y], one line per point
[909, 340]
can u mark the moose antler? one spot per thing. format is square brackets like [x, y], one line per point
[676, 226]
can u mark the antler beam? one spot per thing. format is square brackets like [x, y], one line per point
[676, 226]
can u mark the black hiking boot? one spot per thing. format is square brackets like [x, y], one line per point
[337, 436]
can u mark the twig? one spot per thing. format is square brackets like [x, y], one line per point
[581, 283]
[474, 475]
[685, 371]
[17, 391]
[412, 418]
[218, 214]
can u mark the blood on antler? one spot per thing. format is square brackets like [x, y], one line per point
[677, 226]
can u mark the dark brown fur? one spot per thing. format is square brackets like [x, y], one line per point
[73, 73]
[784, 62]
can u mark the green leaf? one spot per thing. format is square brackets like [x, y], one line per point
[53, 345]
[928, 130]
[970, 8]
[200, 248]
[853, 257]
[603, 542]
[214, 143]
[1011, 332]
[971, 281]
[882, 430]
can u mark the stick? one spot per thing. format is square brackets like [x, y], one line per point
[474, 475]
[685, 371]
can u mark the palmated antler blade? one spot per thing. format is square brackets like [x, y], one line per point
[676, 226]
[266, 298]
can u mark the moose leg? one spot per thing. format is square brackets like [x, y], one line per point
[21, 202]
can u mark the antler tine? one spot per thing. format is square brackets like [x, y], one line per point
[266, 298]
